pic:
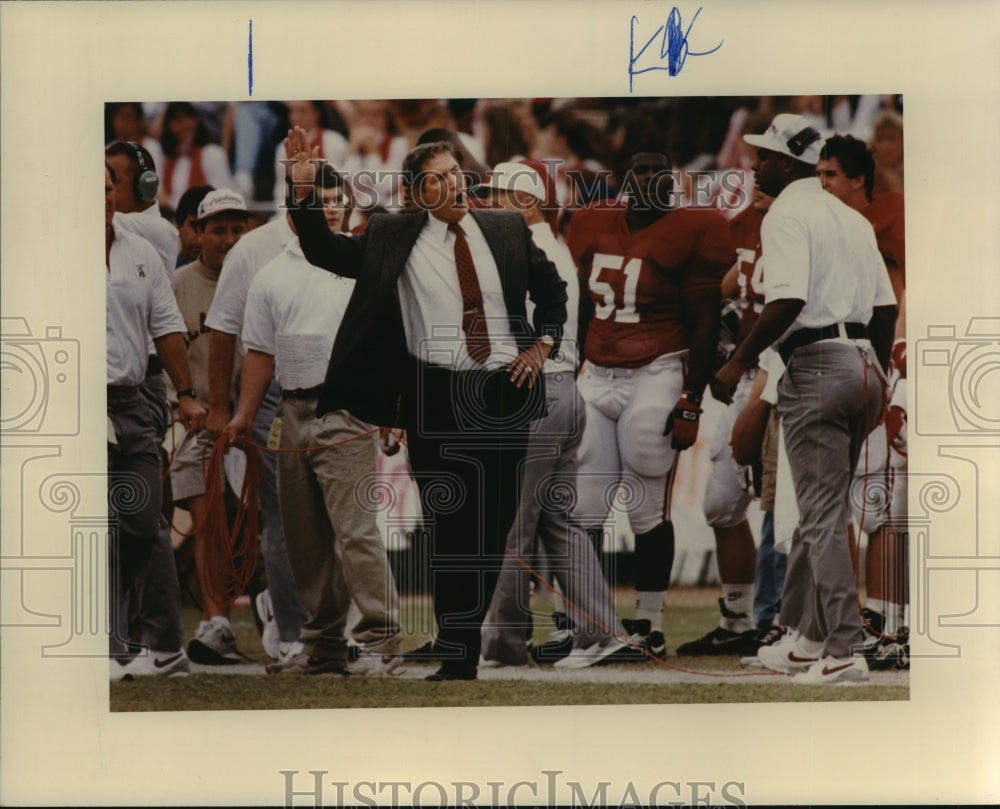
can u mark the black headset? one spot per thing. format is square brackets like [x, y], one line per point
[145, 183]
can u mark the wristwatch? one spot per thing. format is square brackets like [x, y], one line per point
[188, 392]
[694, 398]
[548, 339]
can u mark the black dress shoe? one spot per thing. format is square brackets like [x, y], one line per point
[451, 673]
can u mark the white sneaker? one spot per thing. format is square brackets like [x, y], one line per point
[287, 649]
[785, 657]
[117, 670]
[157, 664]
[215, 644]
[581, 658]
[269, 634]
[832, 670]
[374, 664]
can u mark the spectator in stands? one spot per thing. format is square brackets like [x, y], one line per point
[332, 145]
[125, 121]
[509, 131]
[375, 152]
[887, 142]
[190, 158]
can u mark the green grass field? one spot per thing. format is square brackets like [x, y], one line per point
[690, 615]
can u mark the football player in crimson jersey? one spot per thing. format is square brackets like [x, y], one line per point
[846, 169]
[650, 314]
[727, 495]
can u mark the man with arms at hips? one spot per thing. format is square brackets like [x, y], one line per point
[652, 275]
[436, 339]
[827, 292]
[140, 308]
[336, 551]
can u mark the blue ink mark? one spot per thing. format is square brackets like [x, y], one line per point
[250, 58]
[673, 46]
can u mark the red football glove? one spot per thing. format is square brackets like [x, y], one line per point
[895, 420]
[897, 359]
[682, 423]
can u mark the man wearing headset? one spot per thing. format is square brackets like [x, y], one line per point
[830, 307]
[135, 190]
[156, 590]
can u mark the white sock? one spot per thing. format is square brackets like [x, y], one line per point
[202, 627]
[649, 607]
[876, 605]
[738, 598]
[809, 648]
[221, 620]
[894, 618]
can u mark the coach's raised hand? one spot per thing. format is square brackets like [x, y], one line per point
[302, 168]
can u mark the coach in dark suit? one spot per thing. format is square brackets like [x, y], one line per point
[436, 339]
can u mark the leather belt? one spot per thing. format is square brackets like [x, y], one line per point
[804, 337]
[302, 393]
[154, 366]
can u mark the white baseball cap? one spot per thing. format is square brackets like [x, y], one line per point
[219, 200]
[791, 135]
[513, 177]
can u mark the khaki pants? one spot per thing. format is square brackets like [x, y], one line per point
[334, 546]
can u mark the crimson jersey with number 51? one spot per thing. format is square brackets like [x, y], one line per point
[637, 281]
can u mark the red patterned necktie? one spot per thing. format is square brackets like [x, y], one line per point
[477, 337]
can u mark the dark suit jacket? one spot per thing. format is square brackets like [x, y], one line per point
[371, 371]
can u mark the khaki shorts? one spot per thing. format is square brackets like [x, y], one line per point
[188, 466]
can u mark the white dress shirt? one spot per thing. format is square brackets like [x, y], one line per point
[431, 299]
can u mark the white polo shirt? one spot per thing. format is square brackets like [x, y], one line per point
[160, 232]
[431, 299]
[140, 307]
[250, 254]
[817, 249]
[293, 312]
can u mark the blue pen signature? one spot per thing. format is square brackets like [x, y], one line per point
[674, 48]
[250, 59]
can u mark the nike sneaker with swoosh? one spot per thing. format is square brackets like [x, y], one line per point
[215, 645]
[722, 642]
[269, 628]
[834, 670]
[376, 662]
[158, 664]
[642, 634]
[785, 657]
